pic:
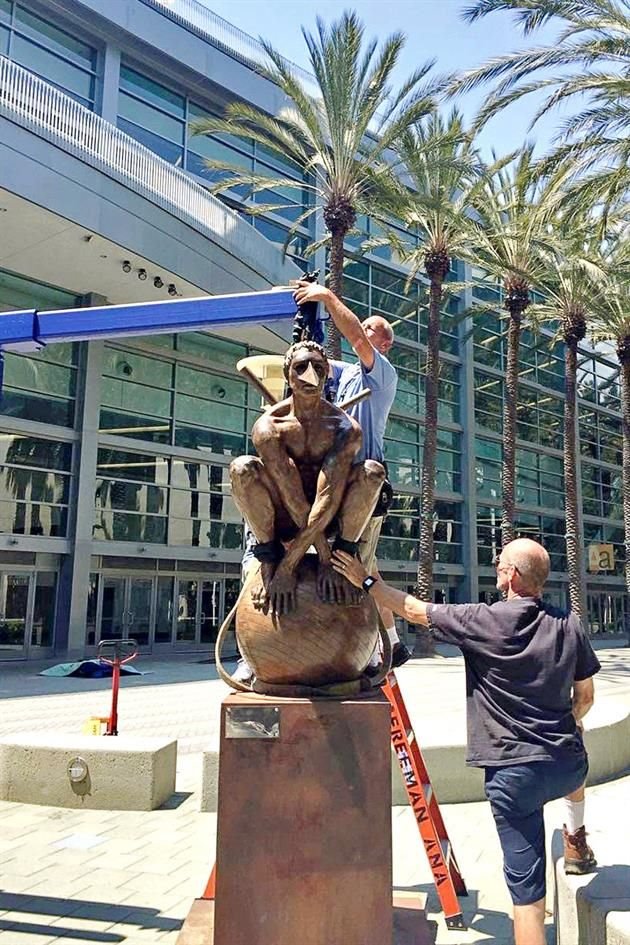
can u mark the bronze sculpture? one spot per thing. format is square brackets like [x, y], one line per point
[298, 621]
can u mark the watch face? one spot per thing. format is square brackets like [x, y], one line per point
[368, 583]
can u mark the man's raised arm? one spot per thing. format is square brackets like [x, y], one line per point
[346, 321]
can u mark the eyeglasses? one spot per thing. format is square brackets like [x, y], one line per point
[504, 567]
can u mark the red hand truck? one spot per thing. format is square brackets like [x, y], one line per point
[116, 653]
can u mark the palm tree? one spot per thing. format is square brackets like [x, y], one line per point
[568, 283]
[513, 207]
[591, 58]
[432, 197]
[610, 322]
[338, 138]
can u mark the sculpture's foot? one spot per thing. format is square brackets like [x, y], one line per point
[334, 588]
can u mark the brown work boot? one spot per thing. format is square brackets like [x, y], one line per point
[578, 856]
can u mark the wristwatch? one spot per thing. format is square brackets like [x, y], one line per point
[368, 583]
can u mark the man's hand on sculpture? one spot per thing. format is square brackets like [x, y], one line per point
[333, 588]
[310, 292]
[350, 567]
[282, 591]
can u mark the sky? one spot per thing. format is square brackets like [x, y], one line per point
[434, 30]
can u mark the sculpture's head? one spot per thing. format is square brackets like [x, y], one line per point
[306, 368]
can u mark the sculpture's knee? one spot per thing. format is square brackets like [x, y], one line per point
[244, 471]
[374, 472]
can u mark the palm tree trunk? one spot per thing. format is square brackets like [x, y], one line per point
[509, 425]
[573, 539]
[427, 498]
[424, 643]
[333, 339]
[623, 353]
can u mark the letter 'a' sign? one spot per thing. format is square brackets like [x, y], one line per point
[601, 558]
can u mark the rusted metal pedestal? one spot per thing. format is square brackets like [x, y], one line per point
[304, 822]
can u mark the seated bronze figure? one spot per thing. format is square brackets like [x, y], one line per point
[298, 621]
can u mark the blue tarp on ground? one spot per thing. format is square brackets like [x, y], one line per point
[93, 669]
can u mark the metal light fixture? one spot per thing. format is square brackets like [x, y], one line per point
[157, 282]
[172, 289]
[142, 274]
[126, 266]
[77, 770]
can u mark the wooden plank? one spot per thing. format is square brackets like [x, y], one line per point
[304, 825]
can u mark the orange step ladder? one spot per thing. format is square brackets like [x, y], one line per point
[448, 880]
[447, 877]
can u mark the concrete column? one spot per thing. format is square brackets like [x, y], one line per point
[111, 82]
[467, 412]
[76, 578]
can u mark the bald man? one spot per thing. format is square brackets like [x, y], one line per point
[371, 341]
[529, 670]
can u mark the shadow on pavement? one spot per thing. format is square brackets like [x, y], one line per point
[490, 925]
[138, 916]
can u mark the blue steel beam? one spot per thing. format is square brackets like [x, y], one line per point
[30, 329]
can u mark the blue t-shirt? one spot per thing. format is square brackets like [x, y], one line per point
[371, 413]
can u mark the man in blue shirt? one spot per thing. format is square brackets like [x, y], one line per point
[371, 340]
[529, 670]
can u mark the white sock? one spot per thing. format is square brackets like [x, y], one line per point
[376, 658]
[392, 633]
[574, 815]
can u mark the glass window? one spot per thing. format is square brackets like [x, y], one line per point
[145, 88]
[165, 149]
[157, 122]
[211, 348]
[164, 610]
[34, 485]
[57, 40]
[53, 69]
[44, 609]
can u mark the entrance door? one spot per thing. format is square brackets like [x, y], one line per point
[127, 609]
[199, 609]
[113, 614]
[15, 602]
[139, 616]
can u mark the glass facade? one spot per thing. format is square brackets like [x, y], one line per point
[55, 55]
[164, 532]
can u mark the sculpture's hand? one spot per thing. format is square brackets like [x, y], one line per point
[333, 588]
[282, 593]
[260, 590]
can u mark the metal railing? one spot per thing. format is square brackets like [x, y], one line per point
[41, 108]
[197, 18]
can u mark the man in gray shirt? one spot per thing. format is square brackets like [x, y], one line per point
[529, 670]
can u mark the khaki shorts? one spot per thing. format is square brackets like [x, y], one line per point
[368, 543]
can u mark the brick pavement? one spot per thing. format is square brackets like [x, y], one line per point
[129, 878]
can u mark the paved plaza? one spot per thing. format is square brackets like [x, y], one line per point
[129, 878]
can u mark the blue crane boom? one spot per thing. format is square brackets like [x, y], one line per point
[30, 330]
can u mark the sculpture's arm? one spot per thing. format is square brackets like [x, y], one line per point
[281, 469]
[331, 484]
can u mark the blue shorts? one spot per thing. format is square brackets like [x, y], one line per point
[517, 795]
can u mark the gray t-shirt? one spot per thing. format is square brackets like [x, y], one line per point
[371, 414]
[522, 657]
